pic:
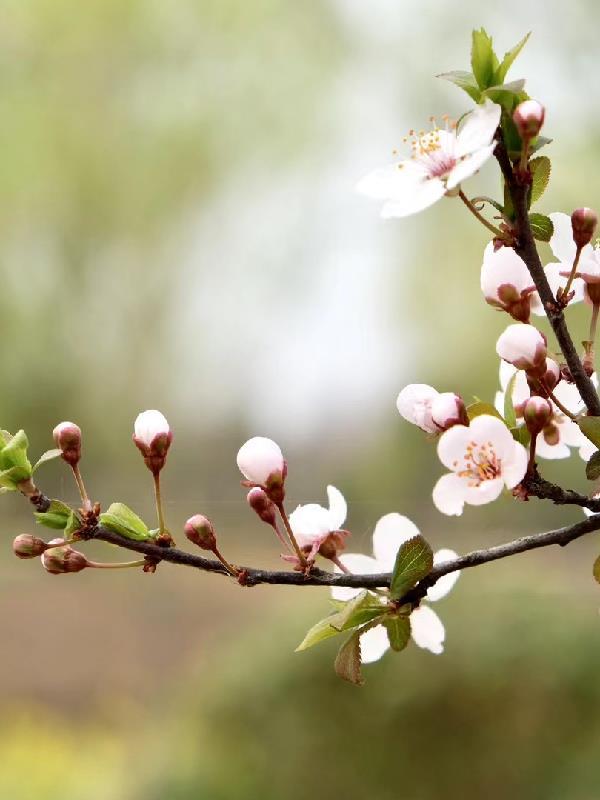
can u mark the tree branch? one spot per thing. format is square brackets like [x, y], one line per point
[536, 486]
[526, 248]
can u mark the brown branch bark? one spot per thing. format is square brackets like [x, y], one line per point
[525, 247]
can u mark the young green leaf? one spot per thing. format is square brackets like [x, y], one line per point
[541, 227]
[358, 611]
[592, 468]
[506, 94]
[123, 520]
[413, 562]
[509, 408]
[347, 662]
[49, 455]
[398, 631]
[479, 408]
[590, 427]
[521, 434]
[55, 517]
[464, 80]
[540, 175]
[73, 525]
[483, 59]
[509, 58]
[14, 456]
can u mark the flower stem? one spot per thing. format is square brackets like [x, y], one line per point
[531, 462]
[80, 485]
[571, 278]
[159, 506]
[496, 231]
[557, 403]
[340, 566]
[116, 565]
[290, 533]
[232, 570]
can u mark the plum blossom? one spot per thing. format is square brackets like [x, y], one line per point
[259, 459]
[523, 346]
[506, 283]
[430, 410]
[311, 523]
[427, 630]
[561, 433]
[564, 249]
[483, 459]
[441, 159]
[152, 436]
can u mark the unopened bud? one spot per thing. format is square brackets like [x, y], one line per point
[59, 560]
[549, 379]
[199, 530]
[537, 413]
[264, 507]
[261, 462]
[67, 436]
[333, 545]
[28, 546]
[529, 118]
[448, 409]
[152, 436]
[524, 347]
[583, 222]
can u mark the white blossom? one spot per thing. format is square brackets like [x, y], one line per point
[440, 161]
[430, 410]
[523, 346]
[312, 523]
[148, 425]
[259, 459]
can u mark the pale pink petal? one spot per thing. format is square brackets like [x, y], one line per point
[515, 467]
[392, 181]
[587, 450]
[555, 273]
[374, 644]
[449, 494]
[359, 564]
[483, 493]
[259, 458]
[390, 533]
[309, 523]
[420, 196]
[414, 404]
[551, 451]
[442, 586]
[468, 166]
[452, 446]
[485, 429]
[503, 267]
[338, 508]
[478, 129]
[561, 241]
[427, 630]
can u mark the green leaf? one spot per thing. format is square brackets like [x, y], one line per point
[538, 143]
[509, 408]
[361, 609]
[347, 662]
[14, 454]
[479, 408]
[592, 468]
[413, 562]
[49, 455]
[596, 570]
[483, 59]
[121, 519]
[398, 631]
[319, 632]
[12, 477]
[506, 94]
[57, 516]
[521, 434]
[540, 170]
[509, 58]
[5, 437]
[590, 427]
[464, 80]
[541, 227]
[73, 525]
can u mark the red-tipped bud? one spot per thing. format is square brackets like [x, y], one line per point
[28, 546]
[152, 436]
[199, 530]
[537, 413]
[334, 544]
[59, 560]
[261, 462]
[583, 222]
[265, 508]
[529, 118]
[448, 409]
[67, 436]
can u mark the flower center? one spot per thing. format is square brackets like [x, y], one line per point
[434, 149]
[480, 464]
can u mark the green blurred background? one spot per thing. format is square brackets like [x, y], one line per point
[178, 229]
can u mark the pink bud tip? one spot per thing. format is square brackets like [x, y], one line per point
[60, 560]
[529, 118]
[152, 436]
[583, 222]
[199, 530]
[265, 508]
[537, 413]
[67, 436]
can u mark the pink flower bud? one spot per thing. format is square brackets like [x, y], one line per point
[67, 436]
[60, 560]
[448, 409]
[28, 546]
[524, 347]
[537, 413]
[414, 404]
[551, 377]
[199, 530]
[333, 544]
[529, 118]
[264, 507]
[583, 222]
[152, 436]
[261, 461]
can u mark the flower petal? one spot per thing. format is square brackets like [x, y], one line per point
[416, 198]
[551, 451]
[449, 494]
[390, 533]
[373, 644]
[427, 630]
[515, 467]
[452, 446]
[562, 243]
[442, 586]
[338, 508]
[478, 129]
[484, 492]
[359, 564]
[468, 166]
[392, 181]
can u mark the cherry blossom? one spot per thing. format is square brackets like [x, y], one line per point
[430, 410]
[259, 459]
[150, 424]
[440, 161]
[523, 346]
[427, 630]
[311, 523]
[507, 284]
[483, 459]
[564, 249]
